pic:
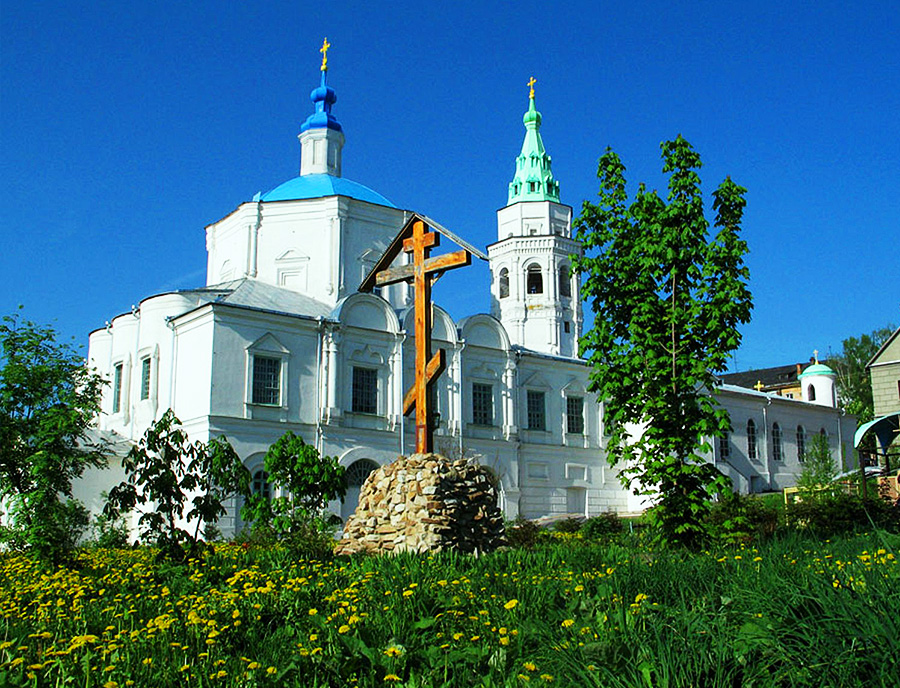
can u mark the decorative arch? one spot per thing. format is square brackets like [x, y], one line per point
[534, 279]
[367, 311]
[443, 328]
[485, 331]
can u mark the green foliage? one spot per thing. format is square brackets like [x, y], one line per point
[853, 385]
[602, 525]
[48, 398]
[106, 532]
[738, 518]
[568, 525]
[667, 302]
[523, 533]
[307, 482]
[163, 471]
[819, 469]
[827, 514]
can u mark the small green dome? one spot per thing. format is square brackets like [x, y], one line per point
[816, 369]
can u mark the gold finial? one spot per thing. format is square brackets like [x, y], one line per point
[758, 386]
[324, 50]
[816, 354]
[531, 82]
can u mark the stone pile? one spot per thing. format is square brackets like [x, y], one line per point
[425, 503]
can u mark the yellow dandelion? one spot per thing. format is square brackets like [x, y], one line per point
[271, 670]
[391, 677]
[313, 612]
[511, 604]
[547, 677]
[530, 666]
[567, 623]
[344, 629]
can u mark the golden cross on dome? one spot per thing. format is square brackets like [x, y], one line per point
[531, 82]
[324, 50]
[816, 354]
[758, 386]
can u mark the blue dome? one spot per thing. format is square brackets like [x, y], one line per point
[321, 186]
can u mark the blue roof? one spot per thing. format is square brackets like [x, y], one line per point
[322, 185]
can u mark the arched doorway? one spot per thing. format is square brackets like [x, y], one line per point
[357, 472]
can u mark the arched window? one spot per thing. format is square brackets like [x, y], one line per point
[810, 393]
[777, 453]
[358, 471]
[504, 283]
[801, 443]
[260, 484]
[751, 439]
[534, 283]
[565, 288]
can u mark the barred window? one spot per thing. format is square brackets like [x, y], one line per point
[575, 415]
[117, 388]
[801, 443]
[365, 390]
[534, 283]
[145, 378]
[777, 453]
[751, 439]
[724, 448]
[260, 485]
[536, 417]
[482, 404]
[266, 381]
[565, 288]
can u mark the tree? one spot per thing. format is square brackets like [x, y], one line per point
[853, 384]
[819, 469]
[48, 398]
[667, 303]
[306, 480]
[173, 476]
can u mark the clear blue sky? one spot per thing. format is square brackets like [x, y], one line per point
[128, 127]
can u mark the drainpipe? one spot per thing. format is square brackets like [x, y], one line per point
[254, 241]
[135, 313]
[459, 395]
[320, 330]
[402, 415]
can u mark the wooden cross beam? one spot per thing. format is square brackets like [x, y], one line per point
[418, 241]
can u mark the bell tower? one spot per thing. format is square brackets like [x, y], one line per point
[534, 290]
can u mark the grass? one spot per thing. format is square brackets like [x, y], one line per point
[796, 611]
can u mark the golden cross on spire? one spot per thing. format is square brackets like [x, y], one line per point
[531, 82]
[324, 50]
[758, 386]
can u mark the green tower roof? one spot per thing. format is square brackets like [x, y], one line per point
[533, 180]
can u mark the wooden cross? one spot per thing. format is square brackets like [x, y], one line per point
[324, 50]
[418, 241]
[531, 82]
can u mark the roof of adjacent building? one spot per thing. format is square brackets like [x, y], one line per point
[771, 378]
[321, 186]
[256, 295]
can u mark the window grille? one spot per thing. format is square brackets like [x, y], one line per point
[365, 390]
[482, 404]
[575, 415]
[536, 417]
[117, 388]
[751, 439]
[266, 381]
[145, 378]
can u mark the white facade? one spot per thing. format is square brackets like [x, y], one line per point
[280, 339]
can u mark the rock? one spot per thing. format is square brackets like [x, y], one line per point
[425, 503]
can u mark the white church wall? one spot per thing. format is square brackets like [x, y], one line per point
[228, 245]
[191, 396]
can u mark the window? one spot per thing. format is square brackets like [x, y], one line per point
[536, 417]
[358, 471]
[898, 389]
[260, 484]
[811, 393]
[534, 283]
[504, 283]
[777, 453]
[365, 390]
[482, 404]
[532, 186]
[567, 326]
[145, 378]
[801, 443]
[565, 285]
[266, 381]
[724, 448]
[751, 439]
[117, 388]
[575, 415]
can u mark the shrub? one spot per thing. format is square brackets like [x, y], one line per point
[109, 532]
[602, 525]
[523, 533]
[741, 518]
[568, 525]
[829, 514]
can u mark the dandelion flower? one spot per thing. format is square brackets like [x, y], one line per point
[511, 604]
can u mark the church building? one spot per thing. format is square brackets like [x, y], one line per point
[280, 338]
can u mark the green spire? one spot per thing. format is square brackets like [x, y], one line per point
[533, 180]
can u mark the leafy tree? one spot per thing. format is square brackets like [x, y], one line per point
[667, 303]
[177, 480]
[48, 398]
[853, 384]
[819, 469]
[306, 481]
